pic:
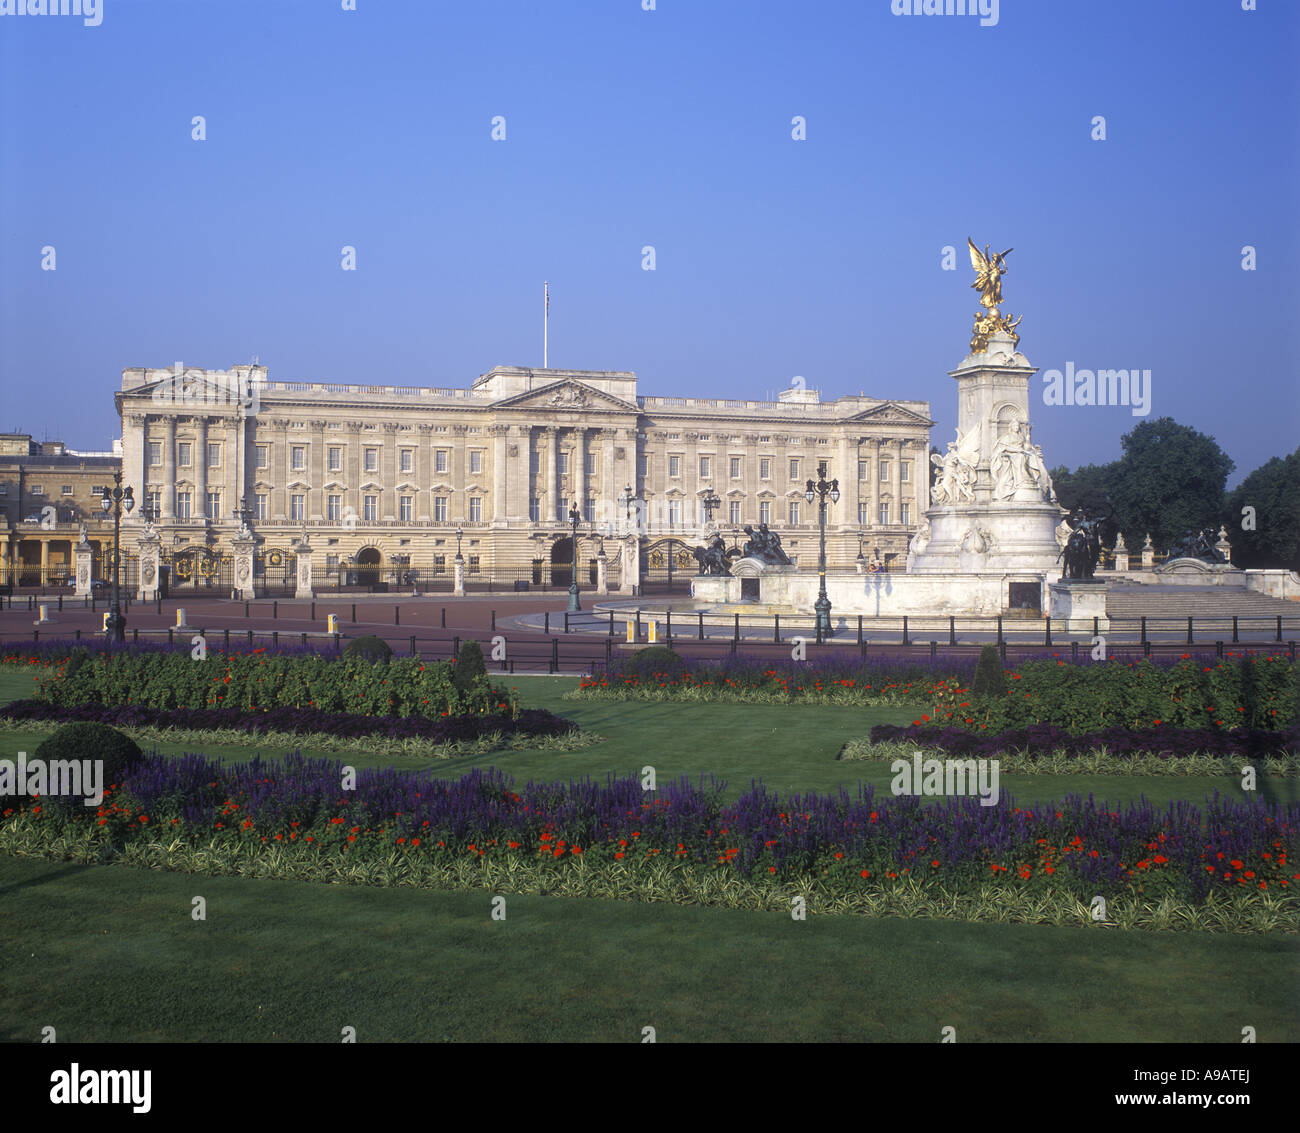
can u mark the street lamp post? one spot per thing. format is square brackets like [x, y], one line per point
[115, 500]
[460, 534]
[819, 491]
[574, 516]
[709, 503]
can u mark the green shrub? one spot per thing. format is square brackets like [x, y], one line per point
[402, 686]
[86, 740]
[76, 659]
[645, 663]
[470, 669]
[370, 648]
[990, 679]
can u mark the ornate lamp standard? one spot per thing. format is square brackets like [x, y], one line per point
[460, 534]
[574, 517]
[819, 491]
[630, 503]
[115, 500]
[709, 503]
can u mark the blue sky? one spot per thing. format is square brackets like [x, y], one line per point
[672, 128]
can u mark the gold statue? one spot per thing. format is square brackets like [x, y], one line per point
[989, 270]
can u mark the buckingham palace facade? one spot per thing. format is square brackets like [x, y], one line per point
[391, 482]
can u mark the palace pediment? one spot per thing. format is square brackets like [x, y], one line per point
[567, 395]
[890, 414]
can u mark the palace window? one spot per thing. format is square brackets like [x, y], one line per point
[369, 509]
[794, 470]
[904, 473]
[36, 490]
[296, 507]
[335, 459]
[535, 510]
[439, 564]
[407, 458]
[765, 468]
[674, 466]
[905, 513]
[404, 508]
[155, 452]
[331, 563]
[333, 508]
[765, 512]
[263, 456]
[214, 456]
[297, 458]
[736, 466]
[182, 505]
[439, 509]
[864, 469]
[372, 460]
[259, 505]
[153, 504]
[440, 460]
[475, 461]
[706, 465]
[67, 489]
[562, 463]
[734, 513]
[884, 513]
[674, 513]
[589, 510]
[183, 454]
[864, 514]
[473, 566]
[884, 471]
[794, 513]
[475, 509]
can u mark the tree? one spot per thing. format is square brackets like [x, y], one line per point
[1169, 481]
[1087, 487]
[1269, 535]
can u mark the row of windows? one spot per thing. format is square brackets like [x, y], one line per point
[765, 468]
[335, 512]
[298, 458]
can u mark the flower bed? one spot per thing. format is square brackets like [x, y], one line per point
[851, 680]
[1255, 692]
[300, 721]
[1165, 742]
[1067, 852]
[252, 681]
[1249, 692]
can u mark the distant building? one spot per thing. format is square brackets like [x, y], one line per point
[46, 492]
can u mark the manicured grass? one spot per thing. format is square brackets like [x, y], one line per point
[790, 748]
[112, 954]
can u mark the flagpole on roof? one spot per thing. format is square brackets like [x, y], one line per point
[546, 326]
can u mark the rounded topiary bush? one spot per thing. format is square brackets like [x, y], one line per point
[87, 740]
[469, 666]
[370, 648]
[990, 677]
[646, 663]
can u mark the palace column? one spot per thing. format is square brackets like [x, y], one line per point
[200, 467]
[168, 487]
[499, 487]
[550, 476]
[609, 490]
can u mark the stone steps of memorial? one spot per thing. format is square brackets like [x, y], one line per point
[1195, 602]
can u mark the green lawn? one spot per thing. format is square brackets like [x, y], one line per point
[111, 954]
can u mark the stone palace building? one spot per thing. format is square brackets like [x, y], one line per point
[390, 482]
